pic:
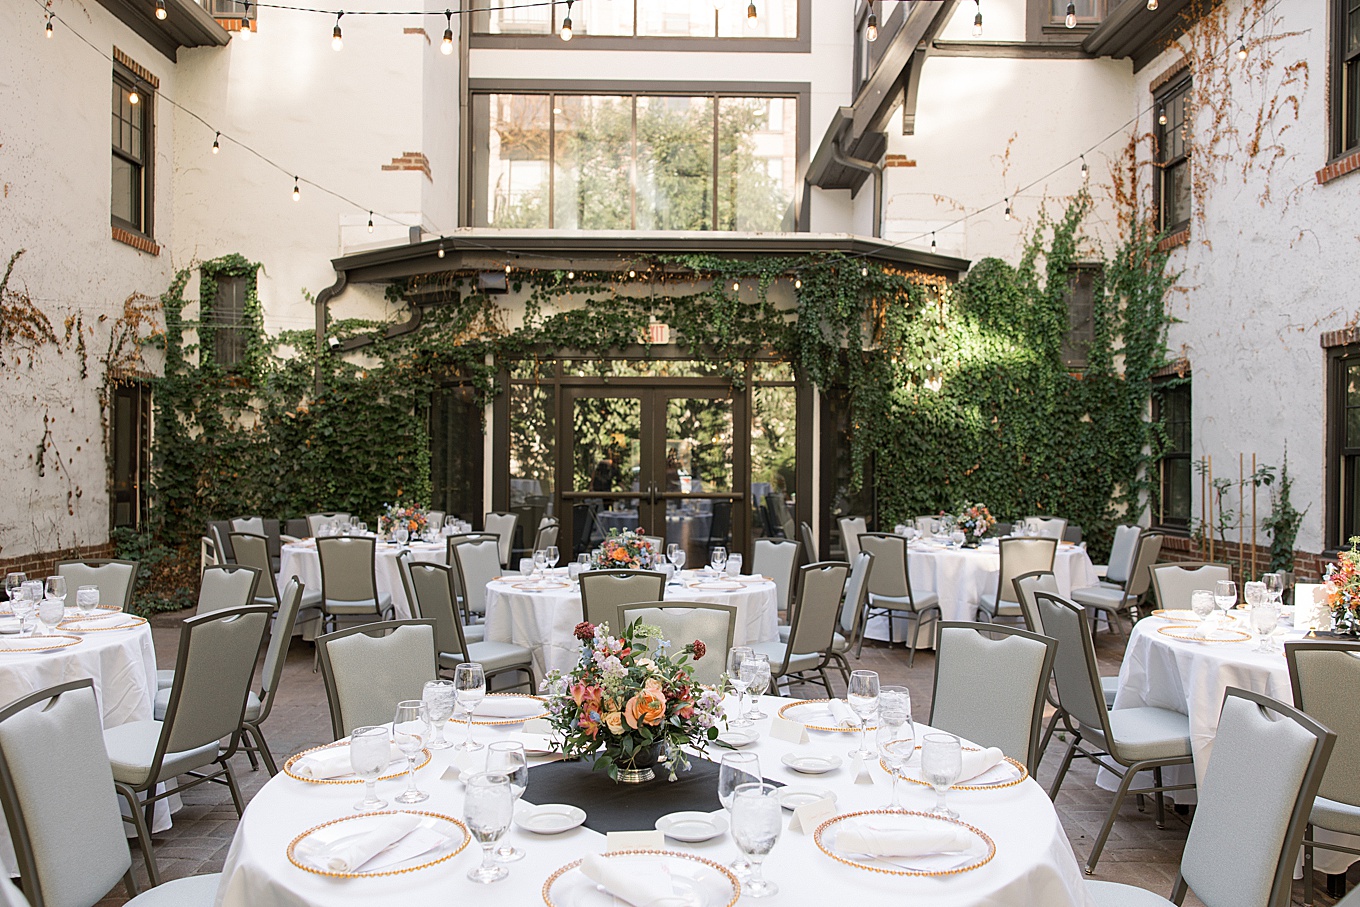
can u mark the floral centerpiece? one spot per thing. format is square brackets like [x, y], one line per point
[410, 516]
[1342, 589]
[627, 550]
[631, 704]
[975, 521]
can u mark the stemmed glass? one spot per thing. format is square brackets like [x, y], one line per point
[554, 555]
[1225, 597]
[676, 555]
[862, 697]
[540, 561]
[14, 582]
[1274, 584]
[735, 656]
[87, 600]
[53, 608]
[507, 757]
[1202, 603]
[941, 764]
[759, 685]
[450, 525]
[370, 752]
[469, 681]
[717, 559]
[756, 822]
[408, 732]
[896, 732]
[1254, 593]
[1264, 618]
[735, 770]
[30, 593]
[488, 807]
[439, 697]
[402, 535]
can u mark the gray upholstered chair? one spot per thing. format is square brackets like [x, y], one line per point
[1125, 741]
[314, 520]
[777, 559]
[115, 578]
[1172, 584]
[503, 526]
[368, 669]
[813, 631]
[251, 524]
[682, 623]
[991, 690]
[546, 536]
[476, 562]
[253, 551]
[1018, 557]
[227, 586]
[429, 588]
[207, 553]
[219, 531]
[602, 591]
[434, 519]
[1046, 527]
[1322, 672]
[1110, 600]
[890, 590]
[349, 582]
[850, 620]
[1267, 762]
[852, 527]
[63, 812]
[207, 703]
[809, 541]
[1120, 567]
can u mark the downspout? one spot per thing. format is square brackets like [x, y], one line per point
[855, 163]
[322, 320]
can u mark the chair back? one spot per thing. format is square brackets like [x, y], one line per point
[1172, 584]
[435, 518]
[602, 591]
[720, 526]
[1046, 527]
[1074, 669]
[856, 595]
[1026, 584]
[227, 586]
[1319, 672]
[923, 523]
[890, 577]
[207, 552]
[582, 524]
[1072, 533]
[990, 682]
[503, 525]
[778, 559]
[348, 568]
[682, 623]
[368, 669]
[658, 544]
[1257, 791]
[852, 527]
[429, 589]
[477, 561]
[1120, 567]
[547, 534]
[253, 551]
[1021, 556]
[220, 532]
[1146, 552]
[809, 541]
[56, 787]
[295, 528]
[115, 578]
[813, 628]
[314, 520]
[251, 524]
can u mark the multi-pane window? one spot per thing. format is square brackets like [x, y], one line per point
[642, 18]
[1343, 445]
[1172, 112]
[1345, 93]
[634, 162]
[226, 317]
[132, 133]
[1087, 12]
[1081, 329]
[1171, 408]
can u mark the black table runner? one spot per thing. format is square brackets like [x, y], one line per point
[612, 806]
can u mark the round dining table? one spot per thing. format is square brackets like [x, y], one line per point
[1033, 864]
[300, 559]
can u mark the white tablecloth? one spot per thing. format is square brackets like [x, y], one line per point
[1034, 864]
[543, 621]
[302, 561]
[960, 576]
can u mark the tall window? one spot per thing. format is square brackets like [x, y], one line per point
[1345, 93]
[634, 162]
[1173, 156]
[642, 18]
[131, 206]
[1081, 330]
[1171, 408]
[1343, 445]
[226, 320]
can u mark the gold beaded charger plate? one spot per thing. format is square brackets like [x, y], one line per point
[704, 883]
[815, 715]
[1195, 634]
[94, 623]
[507, 710]
[337, 830]
[12, 645]
[422, 761]
[979, 852]
[1007, 773]
[717, 585]
[541, 585]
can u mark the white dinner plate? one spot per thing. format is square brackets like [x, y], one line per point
[809, 764]
[793, 796]
[703, 882]
[548, 818]
[692, 827]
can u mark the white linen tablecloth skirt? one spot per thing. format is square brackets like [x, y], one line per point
[302, 561]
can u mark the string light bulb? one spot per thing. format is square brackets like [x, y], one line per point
[133, 98]
[871, 29]
[1070, 20]
[1161, 114]
[370, 222]
[1241, 47]
[245, 22]
[446, 46]
[160, 10]
[735, 286]
[798, 284]
[566, 23]
[977, 20]
[932, 241]
[48, 27]
[631, 272]
[1152, 5]
[1008, 208]
[751, 18]
[571, 275]
[439, 253]
[507, 267]
[297, 190]
[337, 39]
[1085, 171]
[863, 272]
[216, 144]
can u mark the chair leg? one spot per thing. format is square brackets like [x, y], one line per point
[143, 831]
[1308, 867]
[257, 734]
[843, 666]
[130, 884]
[1062, 769]
[1048, 732]
[913, 628]
[1159, 798]
[826, 681]
[1104, 835]
[249, 749]
[235, 790]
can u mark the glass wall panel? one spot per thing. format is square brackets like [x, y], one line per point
[457, 452]
[512, 139]
[607, 448]
[533, 445]
[513, 19]
[677, 18]
[612, 17]
[592, 172]
[758, 158]
[774, 19]
[675, 163]
[774, 443]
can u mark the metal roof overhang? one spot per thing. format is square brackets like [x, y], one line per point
[186, 24]
[1132, 30]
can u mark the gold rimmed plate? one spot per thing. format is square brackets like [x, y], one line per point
[704, 883]
[1180, 615]
[12, 645]
[383, 864]
[1007, 773]
[94, 623]
[815, 714]
[717, 585]
[423, 761]
[510, 708]
[1196, 634]
[978, 851]
[542, 585]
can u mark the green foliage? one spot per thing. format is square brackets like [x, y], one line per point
[1283, 521]
[166, 577]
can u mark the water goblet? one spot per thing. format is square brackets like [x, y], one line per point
[676, 557]
[1202, 603]
[734, 562]
[941, 764]
[51, 610]
[540, 561]
[469, 682]
[507, 757]
[1254, 593]
[735, 656]
[408, 732]
[26, 604]
[717, 559]
[439, 697]
[370, 752]
[1225, 597]
[896, 746]
[554, 555]
[1264, 618]
[757, 819]
[759, 685]
[1274, 584]
[56, 588]
[13, 582]
[957, 538]
[488, 807]
[736, 769]
[363, 528]
[862, 697]
[401, 535]
[670, 551]
[87, 600]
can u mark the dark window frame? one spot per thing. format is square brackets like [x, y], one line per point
[1160, 520]
[1078, 338]
[1344, 78]
[126, 80]
[1343, 462]
[1042, 25]
[225, 317]
[1165, 100]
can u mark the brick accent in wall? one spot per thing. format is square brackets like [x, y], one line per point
[137, 69]
[137, 241]
[1343, 337]
[44, 564]
[1339, 168]
[411, 160]
[1179, 238]
[898, 160]
[1308, 566]
[417, 31]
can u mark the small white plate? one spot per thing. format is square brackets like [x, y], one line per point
[812, 765]
[692, 827]
[548, 818]
[793, 797]
[739, 737]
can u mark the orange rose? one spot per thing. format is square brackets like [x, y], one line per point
[645, 709]
[619, 554]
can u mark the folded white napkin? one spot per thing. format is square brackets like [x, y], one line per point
[332, 762]
[914, 840]
[842, 714]
[508, 707]
[101, 622]
[391, 840]
[975, 762]
[640, 883]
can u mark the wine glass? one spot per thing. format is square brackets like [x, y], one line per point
[736, 769]
[735, 656]
[402, 536]
[1225, 597]
[526, 567]
[1202, 603]
[408, 732]
[1274, 584]
[469, 681]
[87, 600]
[540, 561]
[670, 551]
[676, 557]
[862, 697]
[957, 538]
[896, 745]
[554, 555]
[439, 697]
[56, 588]
[488, 807]
[507, 757]
[370, 752]
[759, 685]
[717, 559]
[30, 593]
[1264, 618]
[1254, 593]
[757, 820]
[15, 581]
[941, 764]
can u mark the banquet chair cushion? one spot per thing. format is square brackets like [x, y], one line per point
[1109, 685]
[165, 678]
[797, 663]
[1108, 598]
[191, 891]
[1334, 815]
[492, 656]
[1113, 894]
[132, 747]
[1146, 733]
[163, 701]
[474, 632]
[363, 606]
[920, 600]
[1007, 609]
[839, 643]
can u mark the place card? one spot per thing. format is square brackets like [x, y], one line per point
[1306, 610]
[860, 769]
[807, 817]
[788, 731]
[634, 840]
[538, 726]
